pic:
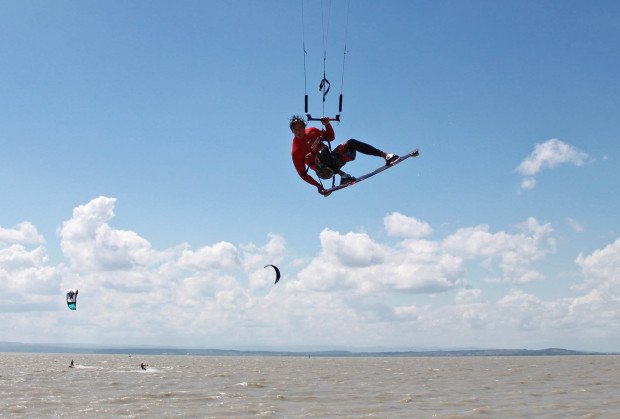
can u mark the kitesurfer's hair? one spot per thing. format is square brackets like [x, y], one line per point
[296, 119]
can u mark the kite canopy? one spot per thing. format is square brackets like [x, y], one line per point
[72, 299]
[277, 272]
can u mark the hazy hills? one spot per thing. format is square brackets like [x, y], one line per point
[147, 350]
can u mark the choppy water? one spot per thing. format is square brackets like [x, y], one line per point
[42, 385]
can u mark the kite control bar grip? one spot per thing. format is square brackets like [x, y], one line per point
[310, 118]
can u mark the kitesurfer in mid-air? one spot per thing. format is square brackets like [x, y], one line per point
[310, 150]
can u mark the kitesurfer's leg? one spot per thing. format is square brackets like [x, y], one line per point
[364, 148]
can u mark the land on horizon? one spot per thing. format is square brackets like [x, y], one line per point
[316, 351]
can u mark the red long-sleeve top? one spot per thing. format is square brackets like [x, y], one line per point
[305, 150]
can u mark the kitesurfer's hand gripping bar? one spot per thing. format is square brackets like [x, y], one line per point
[310, 118]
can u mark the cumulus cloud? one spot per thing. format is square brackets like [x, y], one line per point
[90, 244]
[356, 290]
[358, 264]
[351, 249]
[549, 154]
[402, 226]
[468, 296]
[512, 254]
[601, 270]
[24, 233]
[255, 258]
[27, 281]
[24, 269]
[221, 255]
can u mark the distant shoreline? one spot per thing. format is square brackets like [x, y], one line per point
[11, 347]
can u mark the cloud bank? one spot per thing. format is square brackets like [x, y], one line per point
[468, 288]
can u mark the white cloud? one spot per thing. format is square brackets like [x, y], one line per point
[26, 278]
[23, 233]
[272, 251]
[549, 154]
[577, 228]
[528, 183]
[90, 244]
[601, 270]
[468, 296]
[18, 257]
[356, 290]
[408, 313]
[221, 255]
[400, 225]
[354, 262]
[512, 254]
[255, 258]
[351, 249]
[521, 310]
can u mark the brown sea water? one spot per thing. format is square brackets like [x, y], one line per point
[42, 385]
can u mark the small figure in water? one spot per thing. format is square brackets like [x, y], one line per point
[71, 365]
[143, 366]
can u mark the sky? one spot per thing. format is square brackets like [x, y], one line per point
[145, 161]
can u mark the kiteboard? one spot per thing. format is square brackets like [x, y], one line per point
[414, 153]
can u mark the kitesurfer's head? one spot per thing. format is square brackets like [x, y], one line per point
[297, 124]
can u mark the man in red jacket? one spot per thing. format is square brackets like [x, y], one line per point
[310, 151]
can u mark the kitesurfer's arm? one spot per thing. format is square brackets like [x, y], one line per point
[329, 134]
[300, 166]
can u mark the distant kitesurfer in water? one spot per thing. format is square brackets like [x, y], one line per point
[71, 365]
[143, 366]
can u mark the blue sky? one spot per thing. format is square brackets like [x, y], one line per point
[145, 160]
